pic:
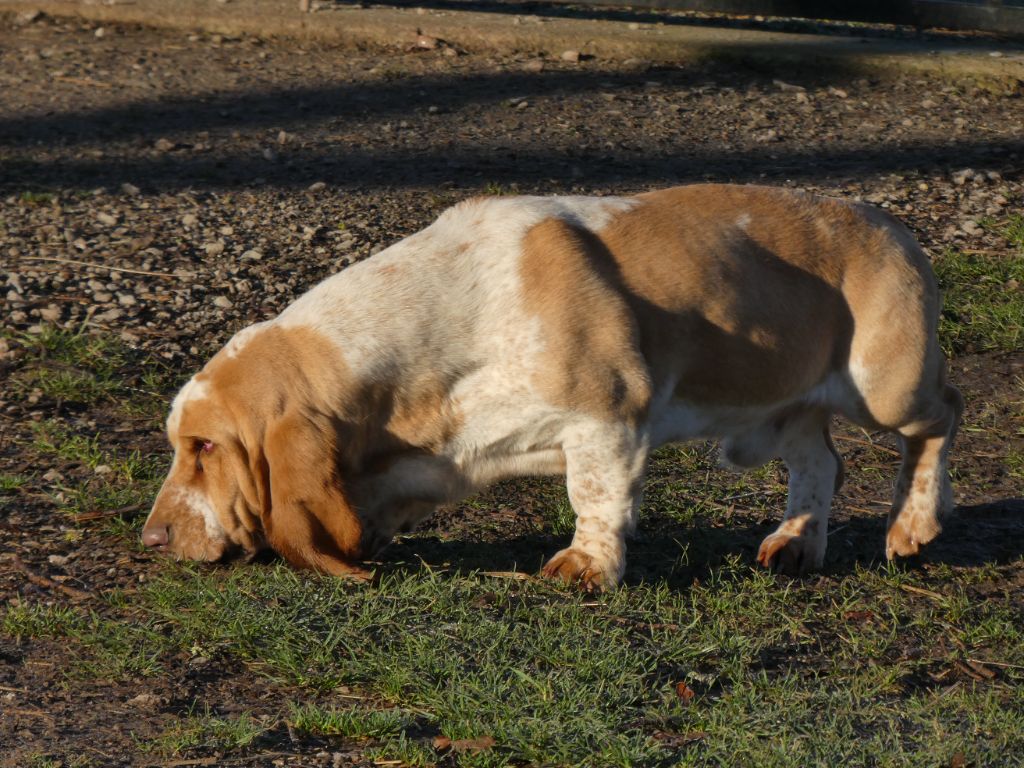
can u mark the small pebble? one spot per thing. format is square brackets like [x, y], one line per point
[963, 176]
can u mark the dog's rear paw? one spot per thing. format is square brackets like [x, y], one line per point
[574, 566]
[791, 554]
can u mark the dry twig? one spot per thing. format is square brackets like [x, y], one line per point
[42, 581]
[108, 267]
[868, 443]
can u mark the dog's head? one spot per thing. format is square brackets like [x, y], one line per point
[257, 457]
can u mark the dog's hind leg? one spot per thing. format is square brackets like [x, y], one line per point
[923, 492]
[815, 474]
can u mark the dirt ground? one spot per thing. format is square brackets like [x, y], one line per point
[216, 179]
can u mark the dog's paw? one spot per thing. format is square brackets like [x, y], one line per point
[574, 566]
[905, 539]
[791, 554]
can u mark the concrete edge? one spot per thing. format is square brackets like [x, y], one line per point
[478, 32]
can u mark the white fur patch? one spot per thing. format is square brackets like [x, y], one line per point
[194, 389]
[200, 506]
[242, 338]
[435, 291]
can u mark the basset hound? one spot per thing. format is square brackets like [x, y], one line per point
[569, 336]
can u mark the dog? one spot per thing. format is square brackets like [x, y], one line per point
[569, 336]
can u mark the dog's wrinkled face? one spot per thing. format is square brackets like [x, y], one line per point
[257, 458]
[209, 506]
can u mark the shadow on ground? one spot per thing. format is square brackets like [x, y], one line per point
[109, 144]
[974, 535]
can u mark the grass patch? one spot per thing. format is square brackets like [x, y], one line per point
[354, 723]
[983, 297]
[1015, 463]
[1014, 230]
[30, 198]
[10, 483]
[86, 370]
[121, 480]
[207, 731]
[560, 517]
[742, 669]
[102, 648]
[495, 189]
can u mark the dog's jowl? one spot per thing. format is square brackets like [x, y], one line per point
[570, 336]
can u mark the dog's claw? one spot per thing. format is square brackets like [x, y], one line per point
[576, 567]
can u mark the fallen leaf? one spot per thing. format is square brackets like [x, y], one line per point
[685, 692]
[442, 743]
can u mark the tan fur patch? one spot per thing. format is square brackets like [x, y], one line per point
[737, 315]
[590, 360]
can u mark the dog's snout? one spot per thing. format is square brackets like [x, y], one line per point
[155, 536]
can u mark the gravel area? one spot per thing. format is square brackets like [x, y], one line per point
[214, 179]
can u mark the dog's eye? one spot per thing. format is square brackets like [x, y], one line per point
[201, 447]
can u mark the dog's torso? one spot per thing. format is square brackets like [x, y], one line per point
[510, 320]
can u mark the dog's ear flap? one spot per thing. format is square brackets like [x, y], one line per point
[306, 516]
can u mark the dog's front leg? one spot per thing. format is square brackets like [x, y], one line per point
[604, 476]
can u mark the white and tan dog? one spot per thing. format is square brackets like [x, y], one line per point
[569, 335]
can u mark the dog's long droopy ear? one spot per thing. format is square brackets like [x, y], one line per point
[306, 516]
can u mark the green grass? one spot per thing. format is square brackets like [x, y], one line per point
[71, 372]
[782, 672]
[1015, 463]
[126, 480]
[353, 723]
[86, 370]
[1013, 230]
[984, 296]
[560, 518]
[31, 198]
[495, 189]
[103, 647]
[206, 731]
[10, 483]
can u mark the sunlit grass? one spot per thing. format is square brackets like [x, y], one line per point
[773, 671]
[984, 295]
